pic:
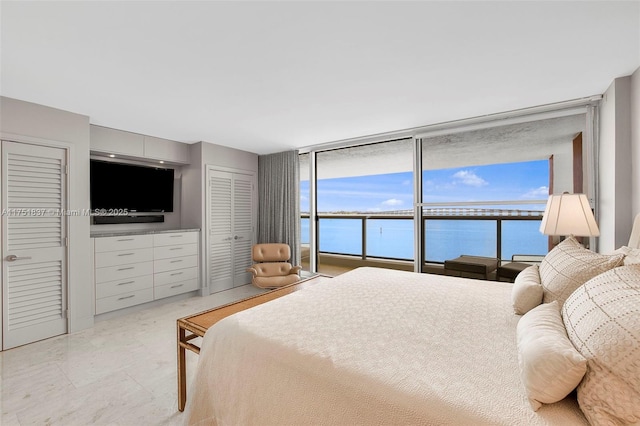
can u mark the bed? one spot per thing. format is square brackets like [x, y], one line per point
[376, 346]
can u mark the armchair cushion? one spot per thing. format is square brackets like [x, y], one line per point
[271, 269]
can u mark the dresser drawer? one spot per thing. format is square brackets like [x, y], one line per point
[125, 242]
[164, 265]
[113, 273]
[172, 238]
[163, 291]
[170, 277]
[123, 257]
[166, 252]
[124, 300]
[125, 285]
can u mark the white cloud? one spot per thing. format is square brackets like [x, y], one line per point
[541, 193]
[467, 177]
[392, 202]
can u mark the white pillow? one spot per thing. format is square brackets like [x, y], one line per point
[527, 292]
[632, 255]
[550, 367]
[602, 319]
[568, 266]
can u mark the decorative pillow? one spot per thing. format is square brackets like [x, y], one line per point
[568, 266]
[526, 293]
[602, 319]
[550, 367]
[632, 255]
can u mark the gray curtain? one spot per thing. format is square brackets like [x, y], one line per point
[279, 201]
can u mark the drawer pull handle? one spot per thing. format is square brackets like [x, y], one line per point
[176, 248]
[176, 286]
[175, 236]
[176, 273]
[126, 297]
[176, 261]
[127, 282]
[126, 239]
[124, 269]
[126, 254]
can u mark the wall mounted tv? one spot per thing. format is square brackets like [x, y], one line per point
[116, 187]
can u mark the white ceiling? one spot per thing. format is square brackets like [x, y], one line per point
[271, 76]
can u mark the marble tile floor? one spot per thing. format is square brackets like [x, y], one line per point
[120, 372]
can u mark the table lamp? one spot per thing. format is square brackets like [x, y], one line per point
[569, 214]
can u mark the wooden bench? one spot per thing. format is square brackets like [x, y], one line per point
[198, 324]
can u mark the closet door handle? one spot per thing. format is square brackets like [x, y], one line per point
[13, 258]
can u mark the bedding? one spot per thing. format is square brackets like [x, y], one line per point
[569, 265]
[602, 319]
[527, 290]
[372, 346]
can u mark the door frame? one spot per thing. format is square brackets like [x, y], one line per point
[69, 187]
[205, 264]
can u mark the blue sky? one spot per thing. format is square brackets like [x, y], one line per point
[510, 181]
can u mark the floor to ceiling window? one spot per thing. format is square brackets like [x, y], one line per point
[482, 193]
[364, 204]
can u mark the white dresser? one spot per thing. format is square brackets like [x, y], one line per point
[134, 269]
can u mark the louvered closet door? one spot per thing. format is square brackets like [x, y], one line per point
[242, 228]
[231, 228]
[34, 249]
[220, 230]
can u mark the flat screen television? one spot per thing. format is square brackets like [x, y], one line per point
[118, 187]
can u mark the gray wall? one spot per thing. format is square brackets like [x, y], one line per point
[201, 155]
[28, 122]
[615, 166]
[635, 141]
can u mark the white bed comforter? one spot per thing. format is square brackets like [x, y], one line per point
[372, 346]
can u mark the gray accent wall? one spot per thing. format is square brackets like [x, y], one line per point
[201, 155]
[635, 141]
[615, 166]
[28, 122]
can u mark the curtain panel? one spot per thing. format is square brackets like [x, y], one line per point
[279, 201]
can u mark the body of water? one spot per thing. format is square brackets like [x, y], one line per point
[445, 239]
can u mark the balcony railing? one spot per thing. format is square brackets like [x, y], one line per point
[449, 231]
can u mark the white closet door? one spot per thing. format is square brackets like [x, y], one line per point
[34, 276]
[231, 228]
[220, 202]
[242, 228]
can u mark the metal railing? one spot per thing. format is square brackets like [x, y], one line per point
[434, 217]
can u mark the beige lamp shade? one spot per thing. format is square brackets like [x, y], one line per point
[569, 214]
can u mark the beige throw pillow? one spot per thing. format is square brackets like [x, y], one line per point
[527, 292]
[632, 255]
[550, 367]
[568, 266]
[602, 319]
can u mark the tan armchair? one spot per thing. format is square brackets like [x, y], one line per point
[274, 270]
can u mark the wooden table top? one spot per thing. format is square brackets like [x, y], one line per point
[199, 323]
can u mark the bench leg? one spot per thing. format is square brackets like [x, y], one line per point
[182, 370]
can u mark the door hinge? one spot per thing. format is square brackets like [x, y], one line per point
[66, 241]
[65, 314]
[66, 169]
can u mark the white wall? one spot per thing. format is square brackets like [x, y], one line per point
[28, 122]
[615, 166]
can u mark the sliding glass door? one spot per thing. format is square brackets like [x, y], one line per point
[482, 192]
